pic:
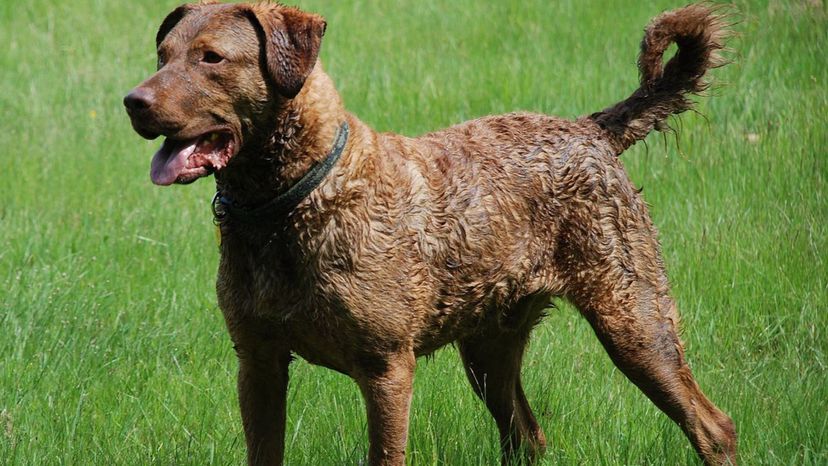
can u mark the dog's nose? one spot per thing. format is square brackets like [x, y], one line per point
[139, 99]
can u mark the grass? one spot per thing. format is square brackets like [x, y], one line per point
[112, 348]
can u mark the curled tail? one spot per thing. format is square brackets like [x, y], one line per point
[699, 32]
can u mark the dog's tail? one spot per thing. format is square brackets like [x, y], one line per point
[699, 31]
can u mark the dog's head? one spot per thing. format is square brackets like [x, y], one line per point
[222, 69]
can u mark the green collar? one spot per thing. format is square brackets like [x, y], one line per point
[225, 208]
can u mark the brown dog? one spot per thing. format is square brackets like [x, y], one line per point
[361, 251]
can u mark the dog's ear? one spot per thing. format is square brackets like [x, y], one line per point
[291, 40]
[170, 21]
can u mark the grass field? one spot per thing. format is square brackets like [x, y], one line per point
[112, 348]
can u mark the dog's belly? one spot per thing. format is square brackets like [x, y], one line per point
[319, 345]
[350, 326]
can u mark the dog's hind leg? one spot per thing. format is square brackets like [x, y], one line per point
[625, 297]
[492, 360]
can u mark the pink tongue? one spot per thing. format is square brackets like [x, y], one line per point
[170, 161]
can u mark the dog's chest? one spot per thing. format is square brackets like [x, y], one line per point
[267, 290]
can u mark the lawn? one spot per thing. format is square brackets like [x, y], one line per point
[113, 350]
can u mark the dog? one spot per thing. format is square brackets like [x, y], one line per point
[362, 251]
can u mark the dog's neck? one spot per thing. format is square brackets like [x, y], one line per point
[301, 134]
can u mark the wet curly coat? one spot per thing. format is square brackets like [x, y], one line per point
[461, 235]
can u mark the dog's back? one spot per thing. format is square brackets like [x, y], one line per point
[495, 201]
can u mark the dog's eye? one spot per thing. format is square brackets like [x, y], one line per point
[212, 57]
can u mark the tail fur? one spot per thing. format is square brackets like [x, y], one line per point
[699, 31]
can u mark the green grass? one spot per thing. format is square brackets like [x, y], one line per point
[112, 348]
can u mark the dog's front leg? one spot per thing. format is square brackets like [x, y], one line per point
[263, 379]
[386, 387]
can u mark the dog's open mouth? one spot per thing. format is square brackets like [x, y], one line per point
[185, 160]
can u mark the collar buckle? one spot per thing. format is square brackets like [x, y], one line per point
[219, 209]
